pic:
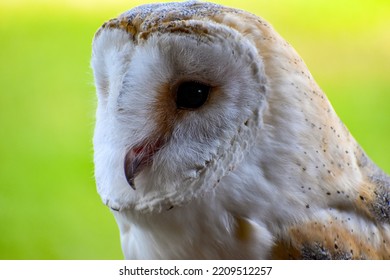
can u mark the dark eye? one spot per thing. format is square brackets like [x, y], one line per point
[191, 95]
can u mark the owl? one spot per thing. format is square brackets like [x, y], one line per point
[213, 141]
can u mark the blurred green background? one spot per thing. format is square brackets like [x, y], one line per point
[49, 208]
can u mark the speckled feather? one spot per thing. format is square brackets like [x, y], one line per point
[284, 180]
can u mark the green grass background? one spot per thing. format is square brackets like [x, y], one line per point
[49, 208]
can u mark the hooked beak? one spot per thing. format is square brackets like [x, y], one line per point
[138, 158]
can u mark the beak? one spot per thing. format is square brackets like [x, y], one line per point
[132, 167]
[138, 158]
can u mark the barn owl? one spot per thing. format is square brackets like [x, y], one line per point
[213, 141]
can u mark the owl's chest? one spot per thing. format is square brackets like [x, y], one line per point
[203, 235]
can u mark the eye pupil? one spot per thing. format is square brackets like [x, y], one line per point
[191, 95]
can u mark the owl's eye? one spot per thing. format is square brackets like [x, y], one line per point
[191, 95]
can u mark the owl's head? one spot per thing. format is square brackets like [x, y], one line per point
[180, 97]
[182, 89]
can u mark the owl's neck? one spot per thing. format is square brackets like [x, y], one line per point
[306, 150]
[207, 228]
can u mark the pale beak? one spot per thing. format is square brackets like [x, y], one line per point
[139, 157]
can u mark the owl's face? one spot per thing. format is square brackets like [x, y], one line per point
[179, 105]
